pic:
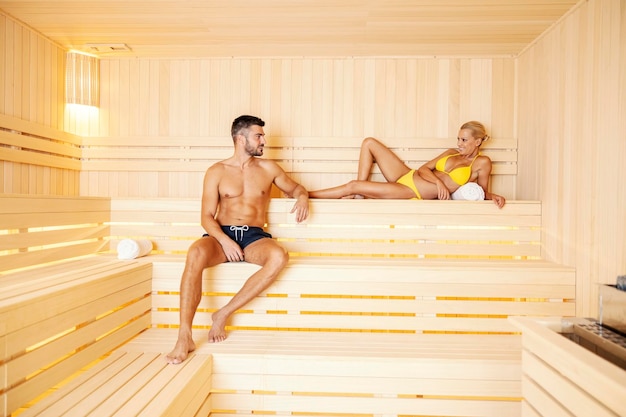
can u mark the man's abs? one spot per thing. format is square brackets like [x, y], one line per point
[240, 213]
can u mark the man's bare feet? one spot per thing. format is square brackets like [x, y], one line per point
[184, 345]
[218, 328]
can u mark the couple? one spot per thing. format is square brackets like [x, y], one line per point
[236, 194]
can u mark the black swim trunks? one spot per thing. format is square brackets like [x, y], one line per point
[244, 235]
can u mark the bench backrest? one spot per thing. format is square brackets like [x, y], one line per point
[358, 228]
[314, 162]
[29, 143]
[39, 229]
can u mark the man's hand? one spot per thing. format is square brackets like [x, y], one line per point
[232, 250]
[301, 208]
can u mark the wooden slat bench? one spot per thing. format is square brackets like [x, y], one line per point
[449, 266]
[364, 374]
[564, 379]
[133, 384]
[355, 228]
[61, 305]
[385, 307]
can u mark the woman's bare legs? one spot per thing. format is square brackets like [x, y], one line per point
[367, 189]
[390, 165]
[373, 151]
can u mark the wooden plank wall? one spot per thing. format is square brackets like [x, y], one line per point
[32, 74]
[312, 99]
[572, 143]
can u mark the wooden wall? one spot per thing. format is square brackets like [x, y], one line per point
[572, 142]
[305, 98]
[32, 71]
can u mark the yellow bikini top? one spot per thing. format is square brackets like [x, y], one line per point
[460, 175]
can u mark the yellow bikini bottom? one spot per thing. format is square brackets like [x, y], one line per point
[407, 179]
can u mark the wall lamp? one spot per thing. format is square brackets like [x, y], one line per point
[82, 79]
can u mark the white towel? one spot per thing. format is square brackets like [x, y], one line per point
[131, 248]
[470, 191]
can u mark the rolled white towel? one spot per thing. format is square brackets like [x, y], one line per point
[131, 248]
[470, 191]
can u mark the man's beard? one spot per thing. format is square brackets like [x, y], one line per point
[258, 151]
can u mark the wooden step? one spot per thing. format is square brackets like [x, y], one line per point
[129, 384]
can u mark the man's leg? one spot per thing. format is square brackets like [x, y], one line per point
[203, 253]
[272, 258]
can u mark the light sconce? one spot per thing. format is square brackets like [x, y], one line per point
[82, 79]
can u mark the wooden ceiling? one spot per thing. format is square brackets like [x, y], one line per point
[211, 28]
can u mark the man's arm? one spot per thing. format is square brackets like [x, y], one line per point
[210, 204]
[293, 190]
[210, 201]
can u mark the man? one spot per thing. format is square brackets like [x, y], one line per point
[236, 194]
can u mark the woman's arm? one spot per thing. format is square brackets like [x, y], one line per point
[426, 172]
[484, 176]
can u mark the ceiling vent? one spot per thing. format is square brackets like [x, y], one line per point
[108, 47]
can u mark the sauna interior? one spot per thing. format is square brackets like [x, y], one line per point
[546, 77]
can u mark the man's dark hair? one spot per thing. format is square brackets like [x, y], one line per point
[244, 122]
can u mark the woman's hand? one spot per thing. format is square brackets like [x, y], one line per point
[442, 191]
[498, 200]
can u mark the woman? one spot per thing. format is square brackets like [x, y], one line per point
[436, 179]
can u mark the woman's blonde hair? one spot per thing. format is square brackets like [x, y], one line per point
[477, 128]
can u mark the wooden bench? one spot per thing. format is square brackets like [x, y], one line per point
[563, 379]
[61, 306]
[133, 384]
[451, 266]
[357, 373]
[385, 307]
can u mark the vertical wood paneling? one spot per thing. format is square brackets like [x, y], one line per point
[3, 62]
[125, 96]
[32, 72]
[18, 71]
[367, 73]
[303, 97]
[163, 75]
[150, 76]
[9, 59]
[572, 144]
[40, 99]
[134, 99]
[503, 92]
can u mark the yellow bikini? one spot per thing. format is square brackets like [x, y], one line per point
[460, 175]
[407, 179]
